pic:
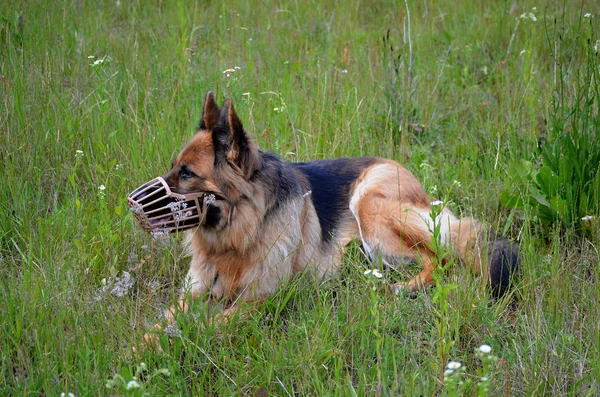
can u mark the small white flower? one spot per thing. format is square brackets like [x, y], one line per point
[172, 331]
[227, 71]
[484, 379]
[376, 273]
[344, 71]
[91, 57]
[183, 214]
[279, 110]
[453, 365]
[209, 198]
[485, 349]
[587, 15]
[587, 218]
[122, 285]
[532, 17]
[153, 285]
[522, 52]
[119, 167]
[133, 384]
[436, 203]
[160, 235]
[448, 372]
[69, 394]
[79, 153]
[101, 187]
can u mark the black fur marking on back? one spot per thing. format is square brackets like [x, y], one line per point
[331, 183]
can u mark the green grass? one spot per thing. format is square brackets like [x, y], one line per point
[467, 93]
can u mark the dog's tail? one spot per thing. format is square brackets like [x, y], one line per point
[475, 247]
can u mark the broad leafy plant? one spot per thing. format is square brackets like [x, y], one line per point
[562, 185]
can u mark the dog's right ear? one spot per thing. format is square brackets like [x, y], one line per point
[210, 112]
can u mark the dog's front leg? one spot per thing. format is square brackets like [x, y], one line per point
[196, 285]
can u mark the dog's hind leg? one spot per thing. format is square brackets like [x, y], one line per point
[392, 233]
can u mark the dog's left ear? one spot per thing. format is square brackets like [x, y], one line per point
[242, 152]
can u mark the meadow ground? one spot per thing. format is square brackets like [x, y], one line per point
[98, 96]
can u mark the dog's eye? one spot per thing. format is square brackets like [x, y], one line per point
[185, 173]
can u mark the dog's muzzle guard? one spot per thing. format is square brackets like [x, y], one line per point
[158, 209]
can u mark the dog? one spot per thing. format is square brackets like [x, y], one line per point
[273, 219]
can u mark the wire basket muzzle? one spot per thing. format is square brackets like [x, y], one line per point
[157, 208]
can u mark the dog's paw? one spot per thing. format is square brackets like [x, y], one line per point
[152, 339]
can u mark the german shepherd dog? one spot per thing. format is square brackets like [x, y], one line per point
[273, 219]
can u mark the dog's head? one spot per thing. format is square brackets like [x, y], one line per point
[220, 159]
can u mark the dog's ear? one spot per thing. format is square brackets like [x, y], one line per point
[237, 147]
[210, 112]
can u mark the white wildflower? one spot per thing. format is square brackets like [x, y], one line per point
[436, 203]
[133, 384]
[587, 218]
[172, 331]
[183, 214]
[209, 198]
[453, 365]
[153, 285]
[532, 17]
[102, 187]
[122, 285]
[78, 153]
[587, 15]
[160, 235]
[228, 72]
[376, 273]
[485, 349]
[177, 205]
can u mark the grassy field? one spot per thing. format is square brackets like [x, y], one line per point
[98, 96]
